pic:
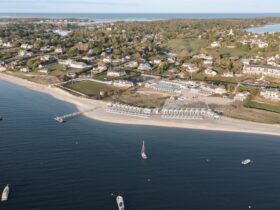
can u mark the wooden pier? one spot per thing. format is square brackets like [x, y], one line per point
[62, 119]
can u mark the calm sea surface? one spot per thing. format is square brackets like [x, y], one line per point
[79, 164]
[140, 17]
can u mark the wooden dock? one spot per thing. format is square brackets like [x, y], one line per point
[62, 119]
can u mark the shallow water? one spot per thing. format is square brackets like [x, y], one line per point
[265, 29]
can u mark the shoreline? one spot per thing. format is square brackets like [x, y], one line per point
[223, 125]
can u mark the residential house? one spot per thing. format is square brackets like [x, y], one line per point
[44, 71]
[46, 48]
[144, 67]
[58, 50]
[261, 70]
[107, 60]
[228, 74]
[272, 94]
[190, 67]
[25, 70]
[131, 64]
[122, 83]
[25, 54]
[241, 96]
[215, 45]
[116, 73]
[210, 72]
[75, 64]
[26, 46]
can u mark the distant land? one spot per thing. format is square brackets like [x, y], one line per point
[139, 16]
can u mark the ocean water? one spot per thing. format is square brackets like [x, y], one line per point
[274, 28]
[103, 17]
[83, 164]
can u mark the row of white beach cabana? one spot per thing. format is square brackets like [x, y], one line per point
[188, 113]
[128, 110]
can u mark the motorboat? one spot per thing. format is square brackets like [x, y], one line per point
[246, 162]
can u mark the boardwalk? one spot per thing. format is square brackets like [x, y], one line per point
[62, 119]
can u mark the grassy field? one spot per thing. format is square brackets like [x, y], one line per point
[178, 45]
[263, 106]
[140, 100]
[92, 89]
[255, 115]
[232, 51]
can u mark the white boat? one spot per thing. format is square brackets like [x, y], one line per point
[120, 202]
[143, 154]
[246, 162]
[5, 193]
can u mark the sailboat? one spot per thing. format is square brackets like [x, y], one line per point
[5, 193]
[120, 202]
[143, 154]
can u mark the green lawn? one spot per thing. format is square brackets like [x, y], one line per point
[263, 106]
[140, 100]
[92, 89]
[255, 115]
[181, 44]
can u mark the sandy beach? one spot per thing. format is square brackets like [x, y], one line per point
[99, 113]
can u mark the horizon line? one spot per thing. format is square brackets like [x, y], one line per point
[140, 13]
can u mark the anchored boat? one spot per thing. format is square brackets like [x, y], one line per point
[143, 153]
[120, 202]
[5, 193]
[246, 162]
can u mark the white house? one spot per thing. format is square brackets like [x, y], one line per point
[156, 62]
[241, 96]
[210, 72]
[25, 70]
[272, 94]
[213, 89]
[171, 60]
[215, 45]
[116, 73]
[261, 70]
[131, 64]
[26, 46]
[99, 69]
[228, 74]
[144, 67]
[122, 83]
[46, 49]
[3, 68]
[208, 62]
[7, 44]
[190, 67]
[44, 71]
[46, 58]
[107, 60]
[74, 64]
[25, 54]
[58, 50]
[203, 57]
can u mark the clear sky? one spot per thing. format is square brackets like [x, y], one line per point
[141, 6]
